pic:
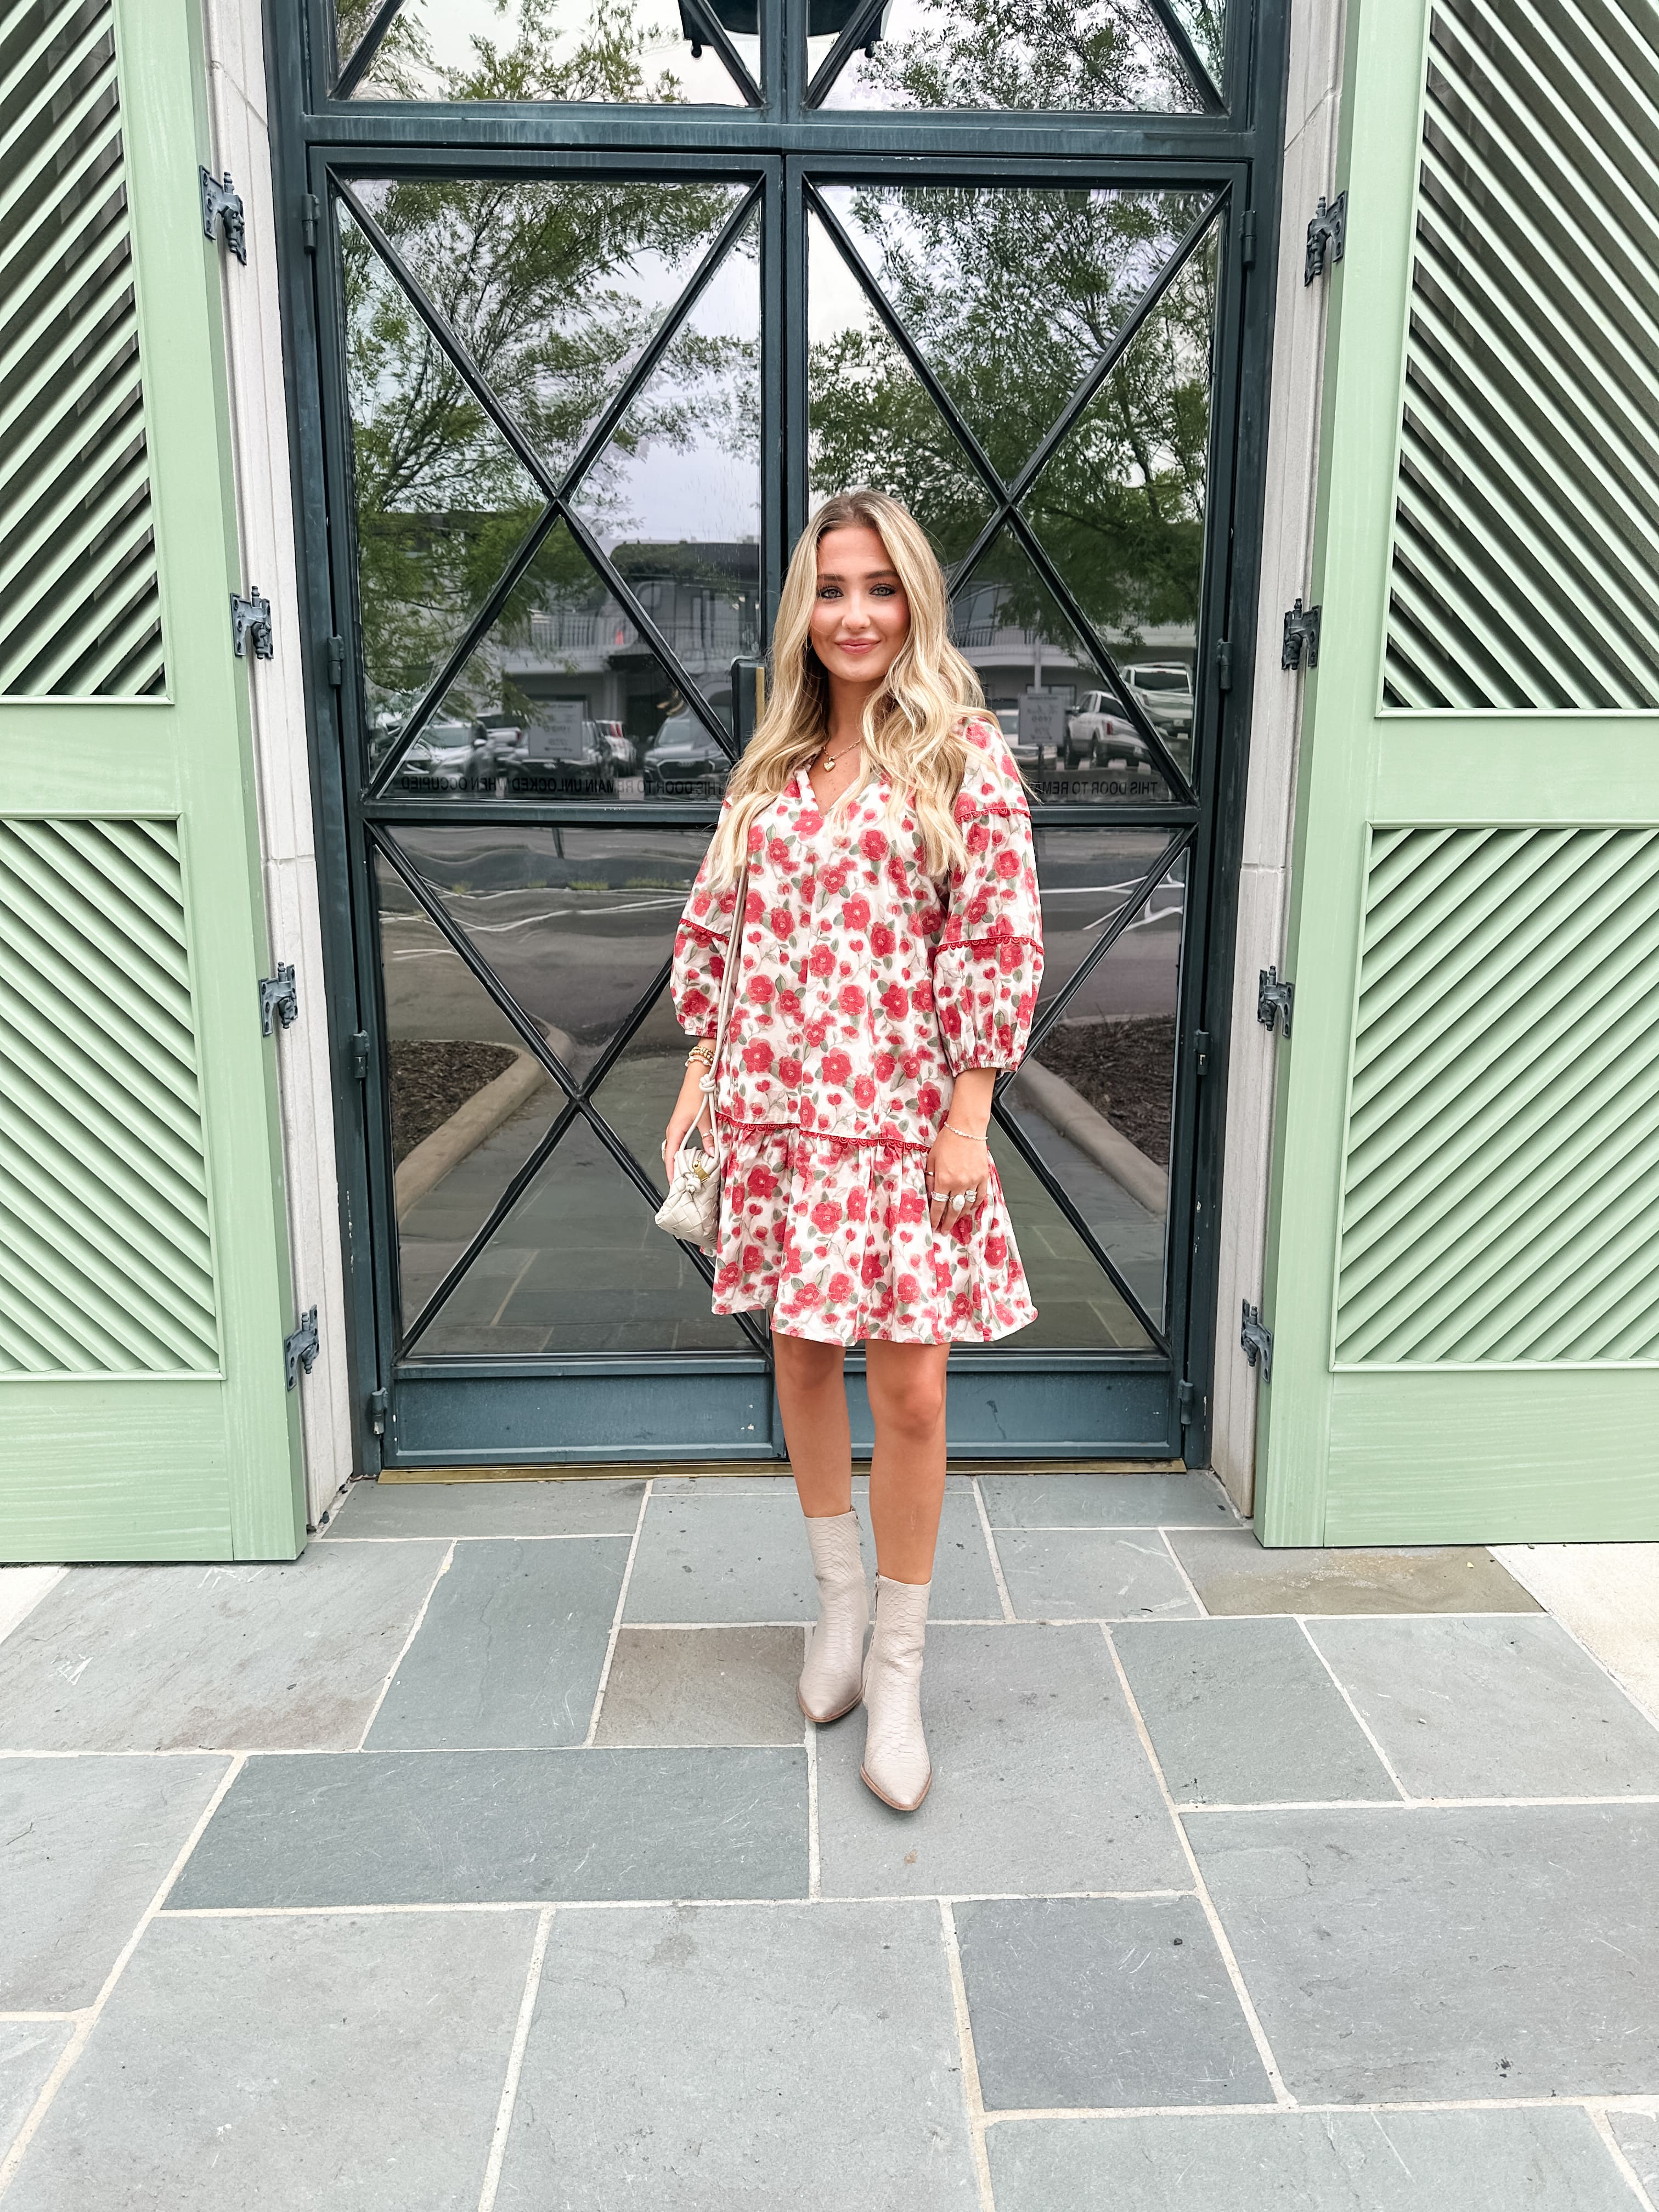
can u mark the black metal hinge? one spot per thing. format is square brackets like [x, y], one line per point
[1223, 664]
[377, 1410]
[336, 662]
[1274, 999]
[1256, 1340]
[279, 1001]
[222, 202]
[1190, 1400]
[250, 617]
[300, 1349]
[1201, 1049]
[311, 209]
[1301, 637]
[357, 1056]
[1327, 236]
[1247, 239]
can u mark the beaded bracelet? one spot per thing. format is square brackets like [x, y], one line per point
[969, 1133]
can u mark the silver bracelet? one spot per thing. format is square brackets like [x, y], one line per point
[969, 1133]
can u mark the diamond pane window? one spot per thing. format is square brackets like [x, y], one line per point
[659, 53]
[1046, 55]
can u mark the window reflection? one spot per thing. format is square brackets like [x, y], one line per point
[1120, 508]
[1071, 733]
[576, 923]
[1031, 54]
[1094, 1098]
[1015, 297]
[871, 419]
[616, 51]
[554, 289]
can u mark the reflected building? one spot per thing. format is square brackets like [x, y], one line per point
[1011, 657]
[703, 599]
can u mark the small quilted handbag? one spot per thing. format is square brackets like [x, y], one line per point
[691, 1210]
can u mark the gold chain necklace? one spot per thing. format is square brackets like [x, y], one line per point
[826, 759]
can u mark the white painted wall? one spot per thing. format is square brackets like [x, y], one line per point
[236, 94]
[1310, 130]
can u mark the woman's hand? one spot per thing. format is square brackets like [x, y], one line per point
[687, 1109]
[959, 1166]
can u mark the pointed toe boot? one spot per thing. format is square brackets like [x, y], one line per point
[831, 1682]
[896, 1763]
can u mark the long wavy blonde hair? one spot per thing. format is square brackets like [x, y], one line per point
[912, 728]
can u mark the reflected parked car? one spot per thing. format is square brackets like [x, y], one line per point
[685, 761]
[1100, 735]
[1164, 690]
[622, 747]
[446, 756]
[561, 762]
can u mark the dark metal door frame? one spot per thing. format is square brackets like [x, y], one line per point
[782, 146]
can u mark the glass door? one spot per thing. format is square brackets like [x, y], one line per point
[576, 401]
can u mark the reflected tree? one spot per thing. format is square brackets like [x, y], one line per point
[1101, 54]
[609, 56]
[1012, 296]
[540, 281]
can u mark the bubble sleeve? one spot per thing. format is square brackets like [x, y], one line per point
[700, 947]
[989, 961]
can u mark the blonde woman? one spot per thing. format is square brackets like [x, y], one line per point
[891, 953]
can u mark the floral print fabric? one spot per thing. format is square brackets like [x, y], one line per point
[865, 987]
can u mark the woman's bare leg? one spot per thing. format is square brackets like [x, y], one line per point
[813, 1399]
[907, 1473]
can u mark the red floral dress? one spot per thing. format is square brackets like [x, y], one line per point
[865, 986]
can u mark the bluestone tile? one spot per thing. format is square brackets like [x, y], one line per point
[306, 2063]
[29, 2048]
[1101, 2002]
[584, 1508]
[1438, 1954]
[964, 1584]
[1242, 1712]
[1105, 1501]
[85, 1843]
[511, 1649]
[1093, 1574]
[21, 1589]
[1637, 2135]
[1040, 1781]
[701, 2058]
[712, 1685]
[718, 1558]
[1490, 2161]
[731, 1559]
[952, 1482]
[498, 1826]
[731, 1487]
[271, 1658]
[1233, 1573]
[1492, 1708]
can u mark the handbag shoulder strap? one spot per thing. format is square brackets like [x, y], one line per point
[728, 988]
[733, 960]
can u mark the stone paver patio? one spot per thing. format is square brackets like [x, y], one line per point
[480, 1858]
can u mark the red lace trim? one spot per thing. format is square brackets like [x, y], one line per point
[700, 929]
[817, 1136]
[981, 944]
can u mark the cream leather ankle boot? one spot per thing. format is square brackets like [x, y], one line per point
[896, 1763]
[831, 1681]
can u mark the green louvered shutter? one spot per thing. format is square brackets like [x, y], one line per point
[144, 1291]
[1463, 1280]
